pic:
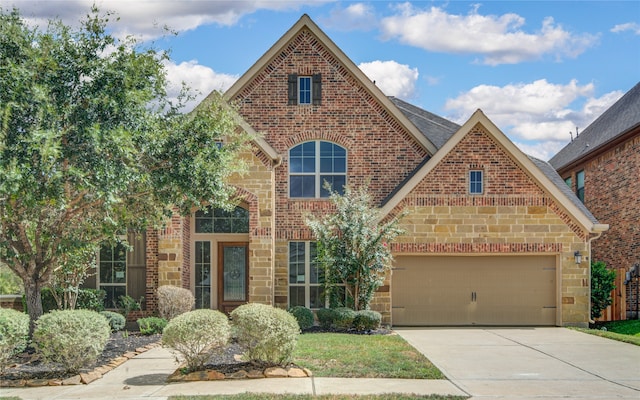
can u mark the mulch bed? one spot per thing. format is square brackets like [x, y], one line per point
[27, 365]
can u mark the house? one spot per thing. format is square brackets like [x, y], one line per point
[491, 234]
[602, 166]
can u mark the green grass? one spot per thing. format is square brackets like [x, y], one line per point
[264, 396]
[622, 331]
[361, 356]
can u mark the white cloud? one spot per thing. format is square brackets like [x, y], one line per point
[629, 26]
[357, 16]
[146, 19]
[499, 39]
[539, 111]
[392, 78]
[202, 80]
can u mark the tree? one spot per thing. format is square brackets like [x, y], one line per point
[90, 145]
[353, 245]
[602, 283]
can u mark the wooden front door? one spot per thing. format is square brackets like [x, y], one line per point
[233, 275]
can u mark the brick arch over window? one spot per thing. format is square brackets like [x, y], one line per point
[251, 200]
[336, 138]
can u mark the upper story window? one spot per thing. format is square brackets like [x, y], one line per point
[305, 89]
[568, 181]
[217, 220]
[311, 164]
[580, 185]
[476, 185]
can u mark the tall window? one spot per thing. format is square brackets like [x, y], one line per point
[475, 182]
[304, 90]
[113, 272]
[305, 278]
[580, 185]
[122, 270]
[311, 164]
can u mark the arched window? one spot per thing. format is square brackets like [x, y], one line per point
[311, 164]
[217, 220]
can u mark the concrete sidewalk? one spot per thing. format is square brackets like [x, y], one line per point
[144, 377]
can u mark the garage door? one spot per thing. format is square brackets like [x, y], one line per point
[479, 290]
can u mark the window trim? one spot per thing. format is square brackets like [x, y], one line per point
[318, 174]
[474, 182]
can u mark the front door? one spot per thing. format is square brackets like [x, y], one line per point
[233, 276]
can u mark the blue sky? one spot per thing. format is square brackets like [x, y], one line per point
[538, 69]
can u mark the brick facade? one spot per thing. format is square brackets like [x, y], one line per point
[612, 194]
[515, 214]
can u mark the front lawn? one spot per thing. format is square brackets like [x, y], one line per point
[624, 331]
[362, 356]
[264, 396]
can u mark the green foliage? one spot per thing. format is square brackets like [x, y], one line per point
[367, 320]
[73, 338]
[343, 318]
[196, 335]
[151, 325]
[14, 334]
[116, 321]
[173, 301]
[269, 334]
[326, 317]
[602, 283]
[67, 277]
[88, 299]
[10, 283]
[353, 245]
[92, 145]
[126, 304]
[303, 315]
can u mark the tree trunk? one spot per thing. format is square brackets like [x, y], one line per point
[33, 298]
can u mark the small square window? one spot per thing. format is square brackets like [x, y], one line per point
[475, 182]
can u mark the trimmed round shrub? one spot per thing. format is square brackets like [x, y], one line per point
[14, 334]
[151, 325]
[73, 338]
[303, 315]
[343, 317]
[197, 335]
[325, 317]
[269, 334]
[116, 321]
[173, 301]
[367, 320]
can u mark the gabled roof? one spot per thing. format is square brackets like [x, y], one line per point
[539, 171]
[437, 129]
[618, 120]
[306, 23]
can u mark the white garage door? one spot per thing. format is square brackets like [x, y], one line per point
[477, 290]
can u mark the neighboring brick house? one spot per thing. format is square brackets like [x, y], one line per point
[490, 237]
[602, 165]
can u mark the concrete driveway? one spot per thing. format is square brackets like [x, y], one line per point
[531, 363]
